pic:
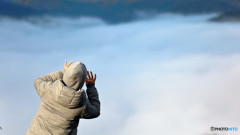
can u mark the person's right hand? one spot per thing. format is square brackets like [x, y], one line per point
[90, 79]
[67, 65]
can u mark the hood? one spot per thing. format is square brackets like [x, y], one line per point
[75, 75]
[69, 97]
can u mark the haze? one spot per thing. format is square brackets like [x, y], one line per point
[169, 75]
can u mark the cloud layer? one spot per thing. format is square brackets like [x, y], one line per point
[174, 75]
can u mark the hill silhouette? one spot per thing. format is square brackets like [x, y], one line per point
[114, 11]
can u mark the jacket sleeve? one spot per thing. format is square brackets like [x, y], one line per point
[92, 107]
[43, 83]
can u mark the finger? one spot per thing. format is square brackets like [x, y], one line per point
[70, 63]
[87, 78]
[95, 77]
[88, 75]
[91, 75]
[65, 63]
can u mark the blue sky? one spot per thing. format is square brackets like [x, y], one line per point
[170, 74]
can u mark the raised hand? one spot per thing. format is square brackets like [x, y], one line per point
[90, 79]
[67, 65]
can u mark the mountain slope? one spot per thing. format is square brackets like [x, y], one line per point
[117, 10]
[15, 10]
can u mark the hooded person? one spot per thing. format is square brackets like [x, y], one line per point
[64, 102]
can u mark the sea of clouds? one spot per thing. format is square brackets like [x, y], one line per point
[169, 75]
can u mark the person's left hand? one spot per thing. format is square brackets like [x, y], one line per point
[67, 65]
[90, 79]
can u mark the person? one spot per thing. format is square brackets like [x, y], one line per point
[64, 102]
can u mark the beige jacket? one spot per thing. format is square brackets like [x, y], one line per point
[61, 106]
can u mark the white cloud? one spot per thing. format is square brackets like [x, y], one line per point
[175, 101]
[169, 75]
